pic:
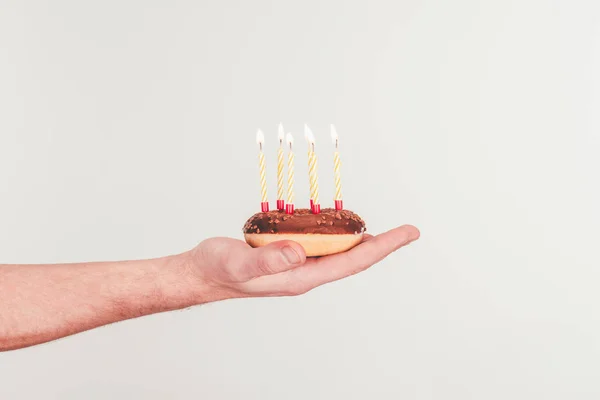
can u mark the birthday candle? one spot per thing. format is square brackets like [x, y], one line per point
[312, 171]
[289, 207]
[336, 170]
[307, 131]
[260, 139]
[280, 201]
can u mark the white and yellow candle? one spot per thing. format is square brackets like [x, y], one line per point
[289, 207]
[337, 198]
[310, 157]
[280, 166]
[260, 139]
[312, 171]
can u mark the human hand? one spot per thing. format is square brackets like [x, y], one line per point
[88, 295]
[231, 268]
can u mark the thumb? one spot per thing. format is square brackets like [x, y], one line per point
[273, 258]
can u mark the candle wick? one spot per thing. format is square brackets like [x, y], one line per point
[260, 146]
[312, 145]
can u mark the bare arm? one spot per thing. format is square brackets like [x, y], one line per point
[40, 303]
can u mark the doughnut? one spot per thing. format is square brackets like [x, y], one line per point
[329, 232]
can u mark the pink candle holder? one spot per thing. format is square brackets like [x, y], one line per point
[281, 205]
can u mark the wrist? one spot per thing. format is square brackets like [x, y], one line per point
[183, 284]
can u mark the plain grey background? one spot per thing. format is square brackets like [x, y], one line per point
[127, 130]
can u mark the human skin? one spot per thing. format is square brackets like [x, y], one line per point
[41, 303]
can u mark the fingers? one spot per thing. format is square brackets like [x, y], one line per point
[375, 249]
[371, 251]
[271, 259]
[316, 272]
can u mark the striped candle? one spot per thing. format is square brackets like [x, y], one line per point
[336, 170]
[307, 131]
[260, 139]
[280, 164]
[289, 207]
[312, 171]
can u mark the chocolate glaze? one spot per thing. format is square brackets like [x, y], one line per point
[329, 222]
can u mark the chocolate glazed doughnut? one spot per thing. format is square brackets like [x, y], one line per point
[332, 231]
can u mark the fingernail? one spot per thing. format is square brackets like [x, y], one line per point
[290, 255]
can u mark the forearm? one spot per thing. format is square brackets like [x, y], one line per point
[39, 303]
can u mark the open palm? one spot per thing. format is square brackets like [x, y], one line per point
[282, 268]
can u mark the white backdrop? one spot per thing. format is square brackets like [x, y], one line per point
[127, 131]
